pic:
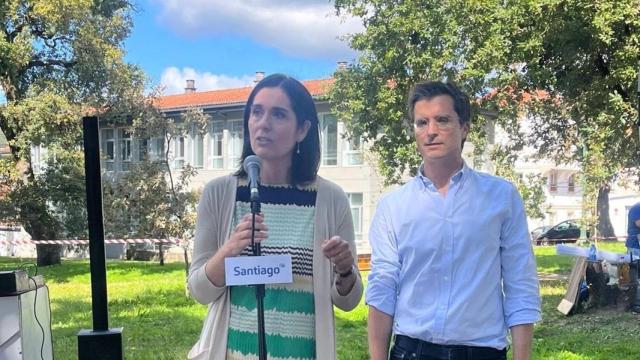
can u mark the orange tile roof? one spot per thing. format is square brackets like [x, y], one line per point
[228, 96]
[522, 97]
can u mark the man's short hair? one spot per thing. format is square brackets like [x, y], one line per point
[427, 90]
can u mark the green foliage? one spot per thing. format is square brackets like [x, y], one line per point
[147, 201]
[568, 66]
[531, 186]
[59, 60]
[143, 203]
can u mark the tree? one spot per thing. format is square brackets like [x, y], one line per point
[586, 54]
[58, 60]
[567, 65]
[147, 201]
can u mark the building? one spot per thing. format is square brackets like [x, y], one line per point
[344, 162]
[347, 163]
[218, 152]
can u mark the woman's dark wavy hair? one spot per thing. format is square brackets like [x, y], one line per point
[304, 166]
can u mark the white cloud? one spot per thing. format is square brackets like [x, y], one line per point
[300, 28]
[174, 80]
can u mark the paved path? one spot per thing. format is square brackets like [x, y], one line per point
[548, 277]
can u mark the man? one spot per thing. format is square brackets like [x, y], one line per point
[633, 229]
[452, 266]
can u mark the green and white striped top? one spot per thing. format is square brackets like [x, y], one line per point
[289, 308]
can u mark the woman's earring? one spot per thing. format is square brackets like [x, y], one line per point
[298, 149]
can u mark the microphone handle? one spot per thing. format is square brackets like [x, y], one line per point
[255, 209]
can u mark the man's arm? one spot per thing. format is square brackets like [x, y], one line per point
[379, 327]
[522, 303]
[383, 283]
[522, 336]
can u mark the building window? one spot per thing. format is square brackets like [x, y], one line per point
[143, 149]
[353, 152]
[197, 150]
[216, 145]
[235, 143]
[156, 149]
[572, 184]
[38, 159]
[108, 149]
[355, 200]
[553, 181]
[329, 137]
[125, 149]
[178, 153]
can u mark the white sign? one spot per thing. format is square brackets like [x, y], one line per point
[251, 270]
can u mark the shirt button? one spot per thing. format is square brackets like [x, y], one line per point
[446, 278]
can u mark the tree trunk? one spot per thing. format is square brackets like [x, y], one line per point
[605, 229]
[47, 254]
[161, 254]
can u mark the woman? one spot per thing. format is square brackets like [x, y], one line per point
[302, 215]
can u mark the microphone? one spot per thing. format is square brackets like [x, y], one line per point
[252, 165]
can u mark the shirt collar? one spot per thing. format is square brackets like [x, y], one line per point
[455, 179]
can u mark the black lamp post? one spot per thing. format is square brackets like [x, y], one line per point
[101, 343]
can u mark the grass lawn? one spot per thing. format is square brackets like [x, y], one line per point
[161, 323]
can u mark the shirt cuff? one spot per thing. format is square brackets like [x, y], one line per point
[381, 298]
[527, 316]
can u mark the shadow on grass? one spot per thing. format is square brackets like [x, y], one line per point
[596, 334]
[155, 322]
[72, 268]
[351, 338]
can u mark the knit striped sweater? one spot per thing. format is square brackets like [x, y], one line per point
[289, 213]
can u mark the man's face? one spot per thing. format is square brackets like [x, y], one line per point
[437, 129]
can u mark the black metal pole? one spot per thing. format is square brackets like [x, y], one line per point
[96, 230]
[257, 251]
[101, 342]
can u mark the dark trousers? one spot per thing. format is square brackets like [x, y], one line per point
[406, 348]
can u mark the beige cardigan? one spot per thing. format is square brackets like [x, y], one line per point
[213, 227]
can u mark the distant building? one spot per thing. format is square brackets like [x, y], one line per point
[345, 162]
[218, 152]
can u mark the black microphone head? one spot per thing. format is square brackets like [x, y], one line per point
[251, 166]
[251, 161]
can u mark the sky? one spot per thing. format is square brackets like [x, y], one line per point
[222, 43]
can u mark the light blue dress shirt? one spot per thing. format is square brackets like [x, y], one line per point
[457, 269]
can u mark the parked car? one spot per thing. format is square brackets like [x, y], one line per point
[539, 230]
[566, 231]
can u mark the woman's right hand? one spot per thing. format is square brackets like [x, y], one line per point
[241, 236]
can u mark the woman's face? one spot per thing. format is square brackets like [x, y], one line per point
[273, 129]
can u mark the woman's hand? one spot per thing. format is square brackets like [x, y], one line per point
[241, 236]
[337, 250]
